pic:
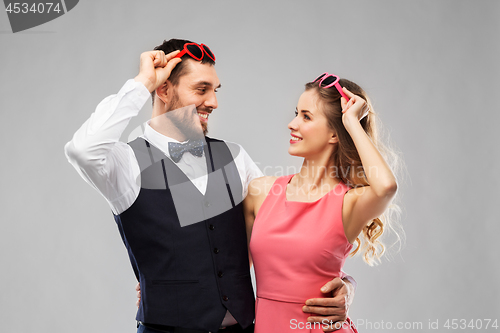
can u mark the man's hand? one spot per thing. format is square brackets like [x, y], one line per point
[138, 288]
[334, 307]
[155, 68]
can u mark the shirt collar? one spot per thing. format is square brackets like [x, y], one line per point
[157, 139]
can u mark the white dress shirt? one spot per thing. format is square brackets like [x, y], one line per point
[110, 166]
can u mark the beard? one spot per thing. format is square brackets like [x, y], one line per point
[186, 119]
[204, 125]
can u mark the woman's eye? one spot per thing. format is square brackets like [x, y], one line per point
[307, 117]
[296, 113]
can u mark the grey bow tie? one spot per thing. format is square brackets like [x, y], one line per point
[176, 150]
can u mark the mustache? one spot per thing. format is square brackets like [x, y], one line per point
[207, 110]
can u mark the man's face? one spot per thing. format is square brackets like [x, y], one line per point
[198, 87]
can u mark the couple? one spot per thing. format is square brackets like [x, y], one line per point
[194, 277]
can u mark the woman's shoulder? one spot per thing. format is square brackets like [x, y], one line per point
[261, 186]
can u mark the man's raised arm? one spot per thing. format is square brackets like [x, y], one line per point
[105, 163]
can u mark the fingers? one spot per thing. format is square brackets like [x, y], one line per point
[164, 73]
[337, 302]
[171, 55]
[155, 68]
[138, 288]
[170, 62]
[343, 103]
[166, 64]
[158, 57]
[347, 92]
[334, 317]
[147, 75]
[151, 57]
[352, 97]
[362, 104]
[161, 59]
[332, 284]
[171, 65]
[325, 311]
[331, 312]
[346, 105]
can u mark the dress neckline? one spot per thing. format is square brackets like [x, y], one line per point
[308, 202]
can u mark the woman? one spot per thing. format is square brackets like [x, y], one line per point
[302, 227]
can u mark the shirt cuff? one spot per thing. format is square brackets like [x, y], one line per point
[350, 279]
[136, 91]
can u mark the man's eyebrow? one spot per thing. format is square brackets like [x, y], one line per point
[206, 84]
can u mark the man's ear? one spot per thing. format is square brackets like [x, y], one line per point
[164, 91]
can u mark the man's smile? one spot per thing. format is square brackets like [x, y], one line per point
[203, 116]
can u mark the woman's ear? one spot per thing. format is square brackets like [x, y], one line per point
[334, 138]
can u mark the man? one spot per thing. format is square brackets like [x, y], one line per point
[189, 254]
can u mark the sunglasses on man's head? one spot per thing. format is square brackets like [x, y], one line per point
[328, 80]
[196, 51]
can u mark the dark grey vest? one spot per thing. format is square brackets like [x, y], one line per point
[188, 250]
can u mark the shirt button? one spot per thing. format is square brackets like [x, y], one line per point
[220, 274]
[207, 204]
[211, 227]
[225, 298]
[216, 250]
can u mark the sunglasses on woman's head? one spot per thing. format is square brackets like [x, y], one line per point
[328, 80]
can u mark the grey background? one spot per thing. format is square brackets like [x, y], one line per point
[430, 67]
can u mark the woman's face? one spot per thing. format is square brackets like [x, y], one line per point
[311, 135]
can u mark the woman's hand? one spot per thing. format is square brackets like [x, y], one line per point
[357, 108]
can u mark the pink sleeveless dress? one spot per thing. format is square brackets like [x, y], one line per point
[296, 247]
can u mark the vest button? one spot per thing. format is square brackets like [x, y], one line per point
[211, 227]
[216, 250]
[225, 298]
[220, 274]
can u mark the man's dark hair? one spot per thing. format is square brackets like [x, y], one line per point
[181, 68]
